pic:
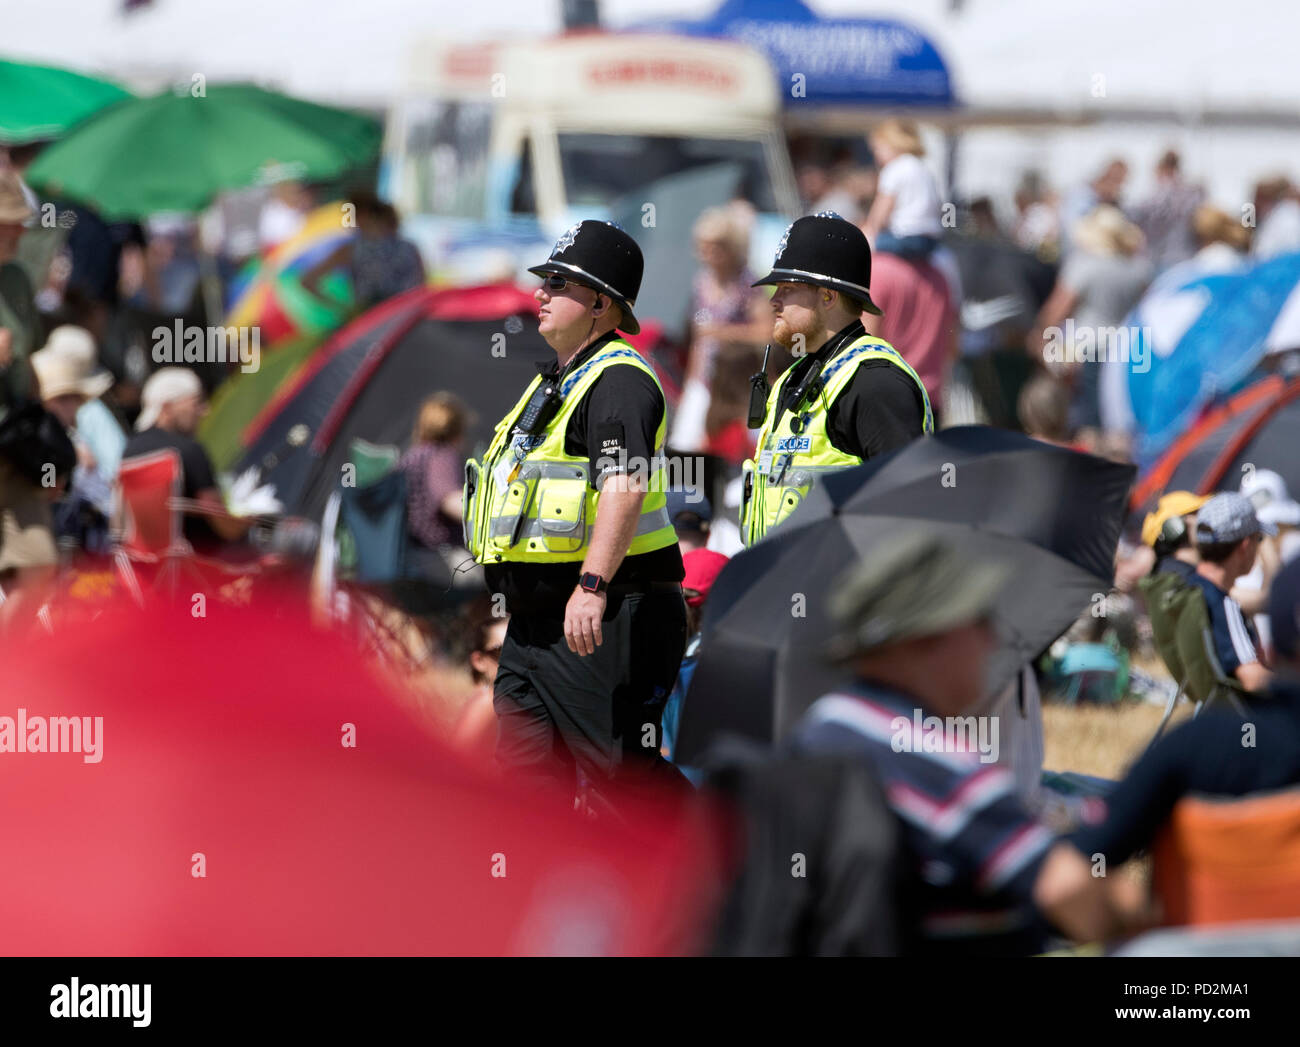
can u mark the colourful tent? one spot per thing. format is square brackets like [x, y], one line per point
[268, 293]
[242, 396]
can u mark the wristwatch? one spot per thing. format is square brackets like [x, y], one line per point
[592, 583]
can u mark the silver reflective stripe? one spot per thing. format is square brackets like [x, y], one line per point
[652, 521]
[774, 479]
[502, 526]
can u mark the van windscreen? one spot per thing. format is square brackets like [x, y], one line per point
[602, 168]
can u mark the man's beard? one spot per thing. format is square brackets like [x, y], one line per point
[785, 334]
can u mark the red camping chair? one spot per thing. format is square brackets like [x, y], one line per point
[1227, 861]
[148, 494]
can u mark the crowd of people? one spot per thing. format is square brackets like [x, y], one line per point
[604, 582]
[80, 299]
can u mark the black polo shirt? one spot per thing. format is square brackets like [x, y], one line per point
[879, 410]
[1204, 757]
[614, 426]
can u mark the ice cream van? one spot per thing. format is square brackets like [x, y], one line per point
[495, 149]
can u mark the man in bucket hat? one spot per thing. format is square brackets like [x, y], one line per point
[567, 513]
[915, 624]
[848, 396]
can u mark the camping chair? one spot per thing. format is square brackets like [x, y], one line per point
[1203, 675]
[147, 494]
[1165, 594]
[1180, 629]
[370, 521]
[147, 529]
[1230, 860]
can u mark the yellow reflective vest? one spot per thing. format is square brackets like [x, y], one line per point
[529, 501]
[795, 450]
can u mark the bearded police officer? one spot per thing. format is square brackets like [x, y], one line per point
[848, 396]
[567, 512]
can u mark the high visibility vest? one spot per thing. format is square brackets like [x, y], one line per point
[796, 450]
[529, 501]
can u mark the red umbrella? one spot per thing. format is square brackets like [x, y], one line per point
[217, 745]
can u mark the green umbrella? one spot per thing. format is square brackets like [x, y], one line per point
[176, 152]
[40, 101]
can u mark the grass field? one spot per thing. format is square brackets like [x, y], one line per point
[1101, 740]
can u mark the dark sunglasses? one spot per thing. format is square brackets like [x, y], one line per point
[557, 284]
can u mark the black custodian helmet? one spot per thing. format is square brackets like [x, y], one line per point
[828, 251]
[604, 258]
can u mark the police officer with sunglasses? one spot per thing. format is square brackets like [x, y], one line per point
[567, 513]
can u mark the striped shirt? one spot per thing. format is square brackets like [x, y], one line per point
[972, 849]
[1235, 641]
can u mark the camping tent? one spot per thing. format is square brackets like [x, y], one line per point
[1259, 428]
[368, 382]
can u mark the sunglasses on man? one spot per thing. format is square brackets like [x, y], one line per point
[555, 284]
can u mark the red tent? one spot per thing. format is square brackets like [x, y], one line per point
[216, 745]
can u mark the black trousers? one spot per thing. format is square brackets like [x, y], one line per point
[599, 713]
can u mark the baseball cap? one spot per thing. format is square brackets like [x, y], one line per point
[1284, 611]
[165, 385]
[685, 500]
[702, 569]
[1228, 517]
[913, 584]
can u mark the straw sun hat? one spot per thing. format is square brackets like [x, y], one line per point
[67, 364]
[14, 208]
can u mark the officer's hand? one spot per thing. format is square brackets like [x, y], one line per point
[582, 621]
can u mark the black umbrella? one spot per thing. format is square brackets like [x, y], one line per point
[1053, 512]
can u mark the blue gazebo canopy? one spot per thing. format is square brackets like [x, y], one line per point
[843, 61]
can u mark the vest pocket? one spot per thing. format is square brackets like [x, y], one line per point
[508, 522]
[562, 514]
[791, 497]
